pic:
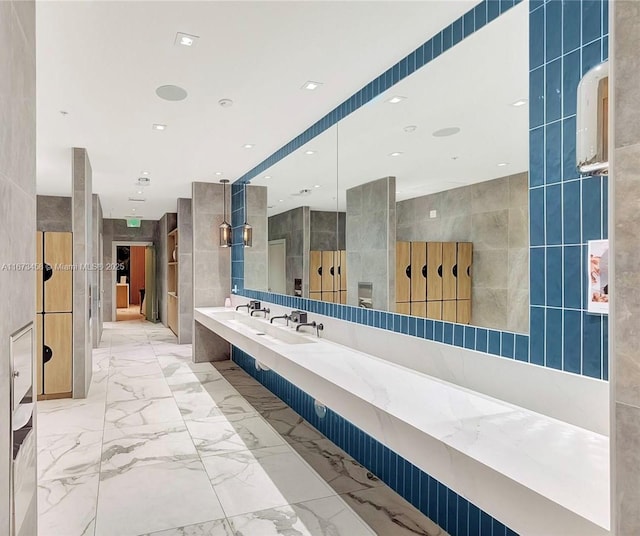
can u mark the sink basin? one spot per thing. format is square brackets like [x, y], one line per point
[263, 329]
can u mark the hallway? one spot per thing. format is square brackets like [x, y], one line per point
[168, 447]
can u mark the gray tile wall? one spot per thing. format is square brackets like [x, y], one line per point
[623, 229]
[371, 241]
[185, 272]
[82, 279]
[256, 259]
[17, 206]
[327, 230]
[115, 230]
[211, 263]
[293, 226]
[53, 213]
[494, 216]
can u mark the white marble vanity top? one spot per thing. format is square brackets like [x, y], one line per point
[563, 463]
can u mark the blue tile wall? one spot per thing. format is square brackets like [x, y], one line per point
[452, 512]
[566, 39]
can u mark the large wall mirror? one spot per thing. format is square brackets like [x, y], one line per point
[303, 224]
[433, 179]
[417, 202]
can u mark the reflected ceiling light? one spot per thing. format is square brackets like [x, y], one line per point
[159, 126]
[248, 146]
[502, 164]
[317, 186]
[310, 85]
[185, 39]
[218, 173]
[444, 132]
[267, 176]
[247, 230]
[133, 210]
[225, 228]
[396, 99]
[309, 152]
[139, 191]
[395, 154]
[281, 200]
[145, 172]
[410, 128]
[520, 102]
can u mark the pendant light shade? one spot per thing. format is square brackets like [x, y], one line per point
[247, 230]
[225, 228]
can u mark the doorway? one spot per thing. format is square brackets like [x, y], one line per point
[278, 266]
[129, 291]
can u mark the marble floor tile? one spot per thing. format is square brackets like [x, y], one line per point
[196, 381]
[69, 416]
[219, 527]
[67, 506]
[196, 405]
[133, 389]
[136, 446]
[321, 517]
[146, 371]
[173, 365]
[155, 497]
[253, 480]
[290, 425]
[69, 455]
[138, 412]
[232, 433]
[133, 360]
[335, 466]
[98, 387]
[383, 509]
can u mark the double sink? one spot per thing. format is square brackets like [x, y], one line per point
[262, 328]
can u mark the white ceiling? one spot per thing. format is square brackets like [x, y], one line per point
[472, 86]
[102, 61]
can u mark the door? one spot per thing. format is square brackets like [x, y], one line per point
[315, 274]
[58, 342]
[449, 271]
[418, 271]
[328, 272]
[434, 272]
[278, 266]
[58, 254]
[403, 272]
[136, 273]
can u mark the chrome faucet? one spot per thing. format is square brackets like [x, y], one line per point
[319, 327]
[247, 305]
[285, 316]
[265, 311]
[252, 305]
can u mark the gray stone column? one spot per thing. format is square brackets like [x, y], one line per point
[97, 276]
[211, 265]
[185, 271]
[256, 258]
[82, 278]
[371, 241]
[624, 228]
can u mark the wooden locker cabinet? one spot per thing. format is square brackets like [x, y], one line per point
[40, 272]
[449, 260]
[315, 271]
[315, 296]
[57, 348]
[342, 270]
[449, 310]
[39, 346]
[463, 312]
[434, 310]
[418, 271]
[434, 271]
[329, 271]
[58, 284]
[465, 259]
[403, 272]
[403, 308]
[419, 309]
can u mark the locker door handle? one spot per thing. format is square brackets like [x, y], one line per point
[440, 270]
[48, 272]
[339, 270]
[408, 271]
[320, 270]
[47, 354]
[331, 271]
[424, 271]
[468, 271]
[454, 270]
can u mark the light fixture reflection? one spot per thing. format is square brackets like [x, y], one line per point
[225, 228]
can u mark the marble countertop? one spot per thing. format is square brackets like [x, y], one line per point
[561, 462]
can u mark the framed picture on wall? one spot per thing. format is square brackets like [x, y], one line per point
[598, 276]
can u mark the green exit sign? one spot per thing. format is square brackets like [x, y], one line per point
[133, 222]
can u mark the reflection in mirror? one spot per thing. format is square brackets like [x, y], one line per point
[433, 177]
[304, 236]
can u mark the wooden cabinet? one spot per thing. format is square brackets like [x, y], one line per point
[328, 276]
[54, 318]
[434, 280]
[172, 281]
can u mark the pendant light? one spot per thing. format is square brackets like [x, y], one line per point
[225, 228]
[247, 230]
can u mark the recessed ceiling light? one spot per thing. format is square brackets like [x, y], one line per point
[248, 146]
[309, 152]
[145, 172]
[159, 126]
[171, 93]
[281, 200]
[185, 39]
[133, 210]
[317, 186]
[520, 102]
[139, 191]
[311, 85]
[267, 176]
[444, 132]
[218, 173]
[410, 128]
[396, 99]
[395, 154]
[502, 164]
